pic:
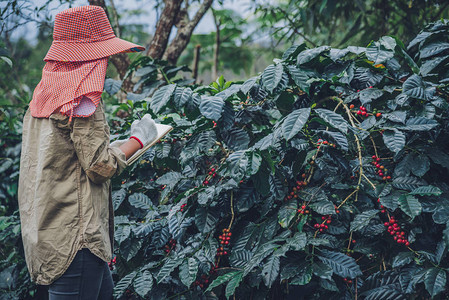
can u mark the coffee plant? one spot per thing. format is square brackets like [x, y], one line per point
[14, 278]
[325, 177]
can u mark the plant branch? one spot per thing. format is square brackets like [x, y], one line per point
[292, 23]
[185, 30]
[115, 16]
[232, 210]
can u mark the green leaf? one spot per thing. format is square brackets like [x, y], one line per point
[390, 201]
[239, 258]
[412, 64]
[121, 233]
[263, 251]
[446, 235]
[238, 163]
[435, 281]
[394, 140]
[287, 213]
[205, 219]
[385, 292]
[419, 38]
[300, 77]
[233, 284]
[162, 150]
[396, 116]
[340, 263]
[293, 51]
[145, 70]
[247, 85]
[271, 76]
[420, 124]
[421, 165]
[407, 183]
[383, 285]
[118, 197]
[427, 190]
[188, 271]
[236, 139]
[7, 60]
[368, 95]
[334, 119]
[255, 162]
[433, 49]
[323, 207]
[379, 52]
[429, 65]
[322, 270]
[270, 270]
[441, 215]
[298, 241]
[211, 107]
[402, 259]
[309, 54]
[246, 238]
[140, 200]
[123, 284]
[294, 122]
[168, 267]
[414, 87]
[161, 97]
[339, 138]
[129, 248]
[112, 86]
[222, 279]
[438, 157]
[362, 220]
[170, 178]
[410, 205]
[329, 284]
[198, 143]
[182, 96]
[143, 283]
[304, 277]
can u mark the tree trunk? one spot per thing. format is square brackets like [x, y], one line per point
[216, 48]
[196, 60]
[184, 33]
[163, 29]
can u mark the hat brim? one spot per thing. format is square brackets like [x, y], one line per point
[65, 51]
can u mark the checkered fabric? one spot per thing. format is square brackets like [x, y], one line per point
[69, 86]
[84, 33]
[73, 77]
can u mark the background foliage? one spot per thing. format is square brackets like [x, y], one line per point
[329, 170]
[309, 165]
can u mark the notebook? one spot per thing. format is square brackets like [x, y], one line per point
[162, 130]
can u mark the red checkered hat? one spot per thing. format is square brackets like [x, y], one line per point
[84, 33]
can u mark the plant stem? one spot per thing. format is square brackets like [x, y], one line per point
[232, 210]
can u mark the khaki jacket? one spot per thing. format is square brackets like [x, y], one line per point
[64, 194]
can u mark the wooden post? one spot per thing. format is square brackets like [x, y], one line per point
[196, 60]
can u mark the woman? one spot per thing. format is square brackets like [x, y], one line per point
[66, 162]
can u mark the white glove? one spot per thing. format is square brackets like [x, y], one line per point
[144, 130]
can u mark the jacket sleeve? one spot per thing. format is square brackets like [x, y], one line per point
[98, 159]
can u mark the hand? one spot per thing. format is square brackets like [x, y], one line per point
[144, 130]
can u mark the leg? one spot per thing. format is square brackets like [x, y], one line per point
[67, 286]
[81, 281]
[107, 285]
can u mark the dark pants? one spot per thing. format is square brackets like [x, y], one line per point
[87, 278]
